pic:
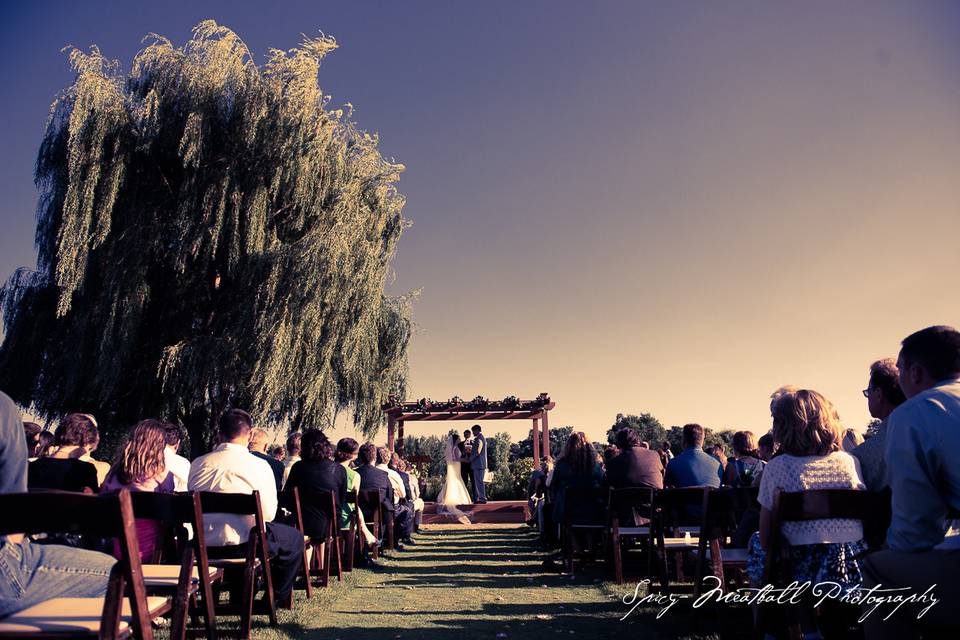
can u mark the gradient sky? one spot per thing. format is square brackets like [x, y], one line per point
[635, 206]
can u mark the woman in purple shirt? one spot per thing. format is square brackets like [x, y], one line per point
[142, 467]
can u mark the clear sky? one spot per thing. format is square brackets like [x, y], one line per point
[634, 206]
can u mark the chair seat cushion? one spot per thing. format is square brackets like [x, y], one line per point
[634, 531]
[71, 615]
[675, 544]
[231, 562]
[167, 575]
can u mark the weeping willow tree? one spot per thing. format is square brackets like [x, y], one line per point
[210, 234]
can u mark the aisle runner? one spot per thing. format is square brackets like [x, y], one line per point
[462, 583]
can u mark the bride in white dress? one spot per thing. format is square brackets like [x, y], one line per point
[453, 492]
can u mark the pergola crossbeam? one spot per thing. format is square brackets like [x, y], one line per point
[399, 413]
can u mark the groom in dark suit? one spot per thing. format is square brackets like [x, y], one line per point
[478, 465]
[464, 446]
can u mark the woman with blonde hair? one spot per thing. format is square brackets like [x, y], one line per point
[141, 466]
[807, 427]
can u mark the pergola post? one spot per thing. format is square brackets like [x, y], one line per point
[546, 435]
[391, 423]
[400, 438]
[536, 443]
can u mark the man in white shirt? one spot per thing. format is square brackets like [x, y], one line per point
[177, 465]
[922, 455]
[231, 468]
[383, 463]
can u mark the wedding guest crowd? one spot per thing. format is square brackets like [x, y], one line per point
[912, 452]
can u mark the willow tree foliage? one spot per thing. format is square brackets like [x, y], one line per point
[209, 234]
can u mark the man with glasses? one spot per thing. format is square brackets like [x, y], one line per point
[883, 395]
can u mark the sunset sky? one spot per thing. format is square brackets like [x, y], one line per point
[653, 207]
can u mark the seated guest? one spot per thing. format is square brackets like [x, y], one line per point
[63, 469]
[693, 467]
[766, 447]
[923, 469]
[32, 432]
[31, 573]
[808, 429]
[883, 396]
[277, 453]
[717, 452]
[103, 468]
[609, 453]
[410, 486]
[259, 441]
[176, 464]
[293, 454]
[576, 468]
[635, 466]
[142, 467]
[851, 440]
[347, 451]
[666, 454]
[745, 468]
[400, 485]
[317, 471]
[43, 447]
[231, 468]
[373, 478]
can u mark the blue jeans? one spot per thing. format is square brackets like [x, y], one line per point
[31, 573]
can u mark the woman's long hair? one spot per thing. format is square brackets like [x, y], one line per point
[142, 456]
[579, 454]
[806, 424]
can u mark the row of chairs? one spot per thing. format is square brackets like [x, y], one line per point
[185, 579]
[718, 522]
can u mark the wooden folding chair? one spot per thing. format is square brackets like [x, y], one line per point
[368, 500]
[724, 509]
[585, 514]
[328, 549]
[631, 517]
[352, 536]
[241, 563]
[678, 512]
[290, 500]
[871, 508]
[125, 611]
[180, 516]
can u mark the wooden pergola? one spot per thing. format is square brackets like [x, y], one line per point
[476, 410]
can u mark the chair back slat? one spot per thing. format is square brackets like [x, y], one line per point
[585, 505]
[243, 504]
[50, 511]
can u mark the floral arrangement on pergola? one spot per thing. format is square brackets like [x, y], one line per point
[480, 408]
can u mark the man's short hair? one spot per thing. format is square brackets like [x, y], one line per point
[234, 424]
[885, 376]
[76, 430]
[692, 436]
[173, 434]
[766, 441]
[936, 349]
[346, 448]
[383, 455]
[368, 453]
[627, 438]
[293, 443]
[475, 428]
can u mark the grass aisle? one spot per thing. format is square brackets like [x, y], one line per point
[456, 583]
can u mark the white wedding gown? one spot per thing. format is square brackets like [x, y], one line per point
[453, 492]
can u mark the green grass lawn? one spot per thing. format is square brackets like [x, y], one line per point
[474, 582]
